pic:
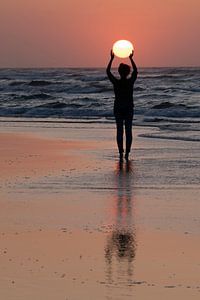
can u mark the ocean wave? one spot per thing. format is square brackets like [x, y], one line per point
[78, 89]
[152, 96]
[5, 79]
[171, 120]
[52, 105]
[12, 111]
[17, 83]
[36, 83]
[162, 76]
[39, 83]
[94, 104]
[33, 96]
[70, 112]
[139, 89]
[178, 127]
[94, 108]
[167, 109]
[166, 136]
[93, 79]
[167, 104]
[170, 89]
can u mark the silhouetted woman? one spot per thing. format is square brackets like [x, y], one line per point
[123, 105]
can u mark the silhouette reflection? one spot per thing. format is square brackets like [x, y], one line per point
[121, 245]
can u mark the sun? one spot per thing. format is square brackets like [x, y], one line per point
[122, 48]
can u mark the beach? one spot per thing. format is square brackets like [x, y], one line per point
[77, 224]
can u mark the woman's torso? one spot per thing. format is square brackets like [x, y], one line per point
[123, 89]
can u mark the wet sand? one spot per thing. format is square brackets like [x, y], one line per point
[77, 224]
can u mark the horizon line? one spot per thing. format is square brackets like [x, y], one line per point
[97, 67]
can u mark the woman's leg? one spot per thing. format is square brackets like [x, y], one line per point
[128, 131]
[120, 132]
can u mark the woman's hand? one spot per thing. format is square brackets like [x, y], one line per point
[112, 55]
[131, 55]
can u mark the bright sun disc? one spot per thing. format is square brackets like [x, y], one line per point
[122, 48]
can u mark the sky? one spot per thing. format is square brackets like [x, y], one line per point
[80, 33]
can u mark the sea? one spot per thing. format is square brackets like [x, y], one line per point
[165, 98]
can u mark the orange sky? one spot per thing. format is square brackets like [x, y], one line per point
[62, 33]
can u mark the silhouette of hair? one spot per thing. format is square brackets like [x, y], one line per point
[124, 70]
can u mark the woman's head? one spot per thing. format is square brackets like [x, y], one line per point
[124, 70]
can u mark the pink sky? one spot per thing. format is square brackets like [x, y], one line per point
[80, 33]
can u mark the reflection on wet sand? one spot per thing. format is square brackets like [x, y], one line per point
[121, 245]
